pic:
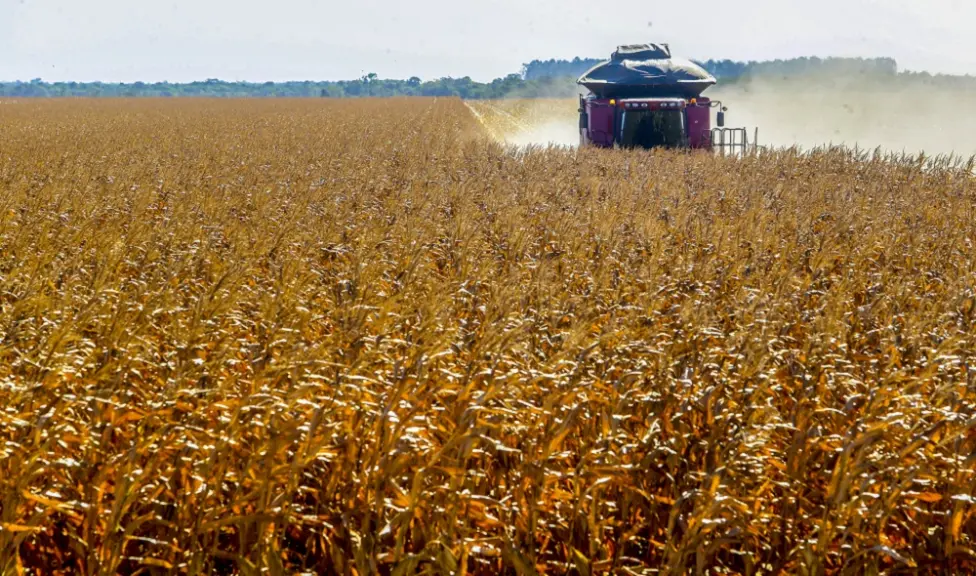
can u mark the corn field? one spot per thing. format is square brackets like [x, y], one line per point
[363, 337]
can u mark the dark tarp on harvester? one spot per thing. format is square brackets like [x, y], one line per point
[646, 70]
[642, 52]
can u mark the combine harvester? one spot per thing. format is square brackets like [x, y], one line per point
[642, 97]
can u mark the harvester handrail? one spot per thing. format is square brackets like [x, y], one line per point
[731, 139]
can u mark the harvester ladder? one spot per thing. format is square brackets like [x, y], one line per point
[730, 140]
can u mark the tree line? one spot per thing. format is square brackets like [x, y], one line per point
[539, 79]
[511, 86]
[730, 69]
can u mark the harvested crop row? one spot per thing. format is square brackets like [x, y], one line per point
[359, 337]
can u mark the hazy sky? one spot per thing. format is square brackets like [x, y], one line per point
[182, 40]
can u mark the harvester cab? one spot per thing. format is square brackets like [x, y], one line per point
[642, 97]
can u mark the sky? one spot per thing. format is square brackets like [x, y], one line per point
[184, 40]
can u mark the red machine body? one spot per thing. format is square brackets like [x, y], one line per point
[665, 122]
[642, 97]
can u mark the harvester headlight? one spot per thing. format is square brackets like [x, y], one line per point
[644, 105]
[613, 102]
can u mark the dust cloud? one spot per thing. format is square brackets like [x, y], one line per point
[896, 114]
[529, 122]
[550, 122]
[554, 133]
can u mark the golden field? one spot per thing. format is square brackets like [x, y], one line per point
[363, 337]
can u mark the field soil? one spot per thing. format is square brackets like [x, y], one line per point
[370, 337]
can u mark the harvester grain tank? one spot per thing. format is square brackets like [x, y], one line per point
[644, 97]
